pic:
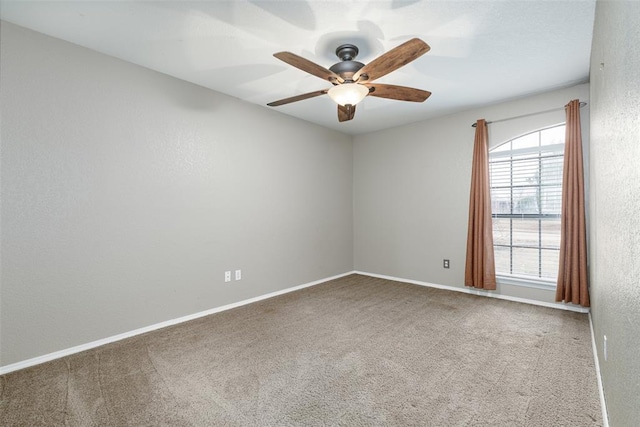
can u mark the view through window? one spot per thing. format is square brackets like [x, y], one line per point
[526, 199]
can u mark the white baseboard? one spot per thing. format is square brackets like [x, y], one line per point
[603, 403]
[82, 347]
[480, 292]
[77, 349]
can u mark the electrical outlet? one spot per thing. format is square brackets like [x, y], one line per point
[604, 348]
[227, 276]
[238, 274]
[445, 263]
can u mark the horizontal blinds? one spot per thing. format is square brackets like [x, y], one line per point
[527, 186]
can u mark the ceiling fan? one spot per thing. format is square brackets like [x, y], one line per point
[353, 81]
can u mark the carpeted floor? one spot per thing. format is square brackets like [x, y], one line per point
[356, 351]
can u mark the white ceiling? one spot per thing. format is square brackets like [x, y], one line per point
[482, 52]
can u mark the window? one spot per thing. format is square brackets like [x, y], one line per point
[526, 199]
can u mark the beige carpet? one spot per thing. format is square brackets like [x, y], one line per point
[356, 351]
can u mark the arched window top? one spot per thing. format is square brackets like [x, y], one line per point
[534, 141]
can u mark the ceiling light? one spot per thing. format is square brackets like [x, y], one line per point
[348, 93]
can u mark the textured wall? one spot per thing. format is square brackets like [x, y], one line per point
[615, 211]
[126, 194]
[411, 189]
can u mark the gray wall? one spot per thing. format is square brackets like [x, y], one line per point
[127, 193]
[411, 189]
[615, 233]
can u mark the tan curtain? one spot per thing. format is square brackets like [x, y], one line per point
[480, 270]
[572, 274]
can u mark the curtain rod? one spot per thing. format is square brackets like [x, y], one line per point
[582, 104]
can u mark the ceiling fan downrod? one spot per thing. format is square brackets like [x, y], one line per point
[347, 67]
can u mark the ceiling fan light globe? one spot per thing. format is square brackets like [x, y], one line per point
[348, 93]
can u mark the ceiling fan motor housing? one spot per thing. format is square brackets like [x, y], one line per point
[347, 67]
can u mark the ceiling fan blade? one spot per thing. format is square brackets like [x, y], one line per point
[392, 60]
[308, 66]
[297, 98]
[401, 93]
[346, 112]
